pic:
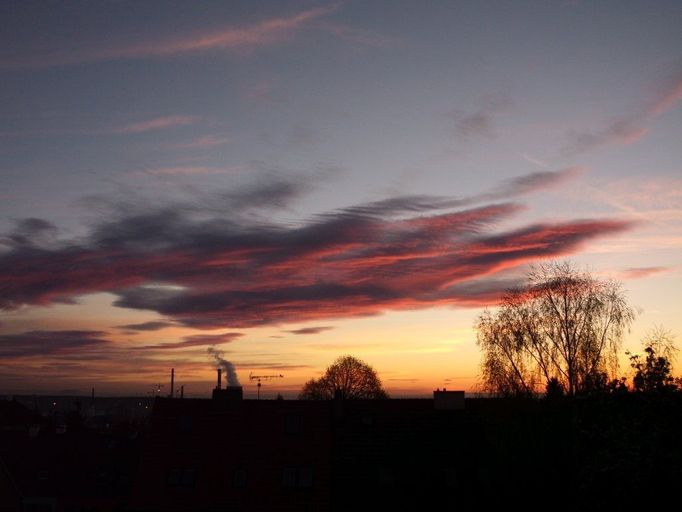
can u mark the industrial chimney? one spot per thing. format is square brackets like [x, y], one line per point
[231, 394]
[172, 388]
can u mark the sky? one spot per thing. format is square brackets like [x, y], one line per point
[283, 183]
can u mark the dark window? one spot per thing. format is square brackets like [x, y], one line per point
[292, 424]
[239, 478]
[298, 477]
[450, 477]
[174, 477]
[185, 424]
[37, 507]
[305, 477]
[182, 477]
[189, 477]
[385, 476]
[289, 477]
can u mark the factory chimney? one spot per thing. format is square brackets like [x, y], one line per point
[172, 389]
[220, 378]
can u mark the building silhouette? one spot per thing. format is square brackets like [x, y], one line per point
[232, 454]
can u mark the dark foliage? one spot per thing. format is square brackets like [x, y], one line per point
[350, 377]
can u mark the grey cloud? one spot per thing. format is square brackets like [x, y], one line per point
[311, 330]
[197, 340]
[480, 123]
[42, 343]
[147, 326]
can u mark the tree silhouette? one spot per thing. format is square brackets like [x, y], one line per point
[561, 330]
[350, 377]
[654, 373]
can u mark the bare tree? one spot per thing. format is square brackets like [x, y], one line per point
[662, 341]
[348, 375]
[564, 327]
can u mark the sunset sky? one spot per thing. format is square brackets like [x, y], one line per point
[293, 181]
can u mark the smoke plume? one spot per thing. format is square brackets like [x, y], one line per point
[228, 367]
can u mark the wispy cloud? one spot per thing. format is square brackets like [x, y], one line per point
[620, 132]
[264, 33]
[669, 97]
[359, 37]
[209, 267]
[508, 189]
[534, 160]
[205, 141]
[631, 127]
[641, 272]
[190, 170]
[236, 39]
[197, 340]
[157, 123]
[255, 365]
[480, 122]
[30, 231]
[535, 182]
[260, 92]
[653, 199]
[311, 330]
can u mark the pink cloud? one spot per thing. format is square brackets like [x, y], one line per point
[642, 272]
[264, 33]
[669, 99]
[657, 199]
[229, 39]
[186, 171]
[233, 39]
[628, 128]
[206, 141]
[158, 123]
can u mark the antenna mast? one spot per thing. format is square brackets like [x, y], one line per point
[263, 377]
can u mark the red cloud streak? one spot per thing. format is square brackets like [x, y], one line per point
[213, 273]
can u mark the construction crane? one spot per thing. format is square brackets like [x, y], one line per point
[263, 377]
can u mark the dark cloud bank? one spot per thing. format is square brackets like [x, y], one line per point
[41, 343]
[216, 265]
